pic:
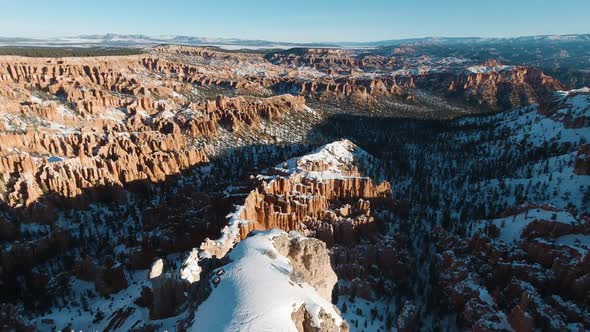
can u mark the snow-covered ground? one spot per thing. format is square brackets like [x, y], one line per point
[339, 157]
[83, 309]
[480, 69]
[511, 227]
[258, 291]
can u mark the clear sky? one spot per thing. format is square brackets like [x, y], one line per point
[295, 20]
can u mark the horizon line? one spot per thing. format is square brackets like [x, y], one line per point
[293, 42]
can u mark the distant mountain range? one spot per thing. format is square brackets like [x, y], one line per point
[139, 41]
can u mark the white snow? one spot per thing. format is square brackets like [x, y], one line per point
[488, 69]
[339, 156]
[579, 242]
[75, 316]
[36, 100]
[511, 227]
[578, 103]
[165, 114]
[470, 283]
[256, 291]
[114, 114]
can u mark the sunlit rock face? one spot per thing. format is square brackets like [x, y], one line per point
[194, 188]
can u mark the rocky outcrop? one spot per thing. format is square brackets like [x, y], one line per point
[296, 200]
[306, 194]
[93, 162]
[167, 290]
[320, 195]
[310, 261]
[483, 280]
[324, 59]
[521, 320]
[303, 321]
[124, 125]
[22, 255]
[115, 120]
[569, 107]
[490, 85]
[494, 86]
[111, 279]
[356, 262]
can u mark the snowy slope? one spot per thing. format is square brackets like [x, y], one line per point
[257, 291]
[85, 310]
[512, 227]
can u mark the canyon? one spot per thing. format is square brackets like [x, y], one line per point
[308, 189]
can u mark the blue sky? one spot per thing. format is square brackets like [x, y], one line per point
[298, 20]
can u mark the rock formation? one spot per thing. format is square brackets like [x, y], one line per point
[299, 195]
[124, 159]
[495, 86]
[483, 277]
[167, 290]
[310, 261]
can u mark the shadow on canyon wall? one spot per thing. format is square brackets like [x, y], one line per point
[171, 216]
[186, 211]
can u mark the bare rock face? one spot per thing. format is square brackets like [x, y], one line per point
[135, 117]
[325, 59]
[495, 86]
[321, 195]
[304, 322]
[521, 320]
[310, 261]
[490, 84]
[300, 198]
[125, 125]
[167, 289]
[305, 194]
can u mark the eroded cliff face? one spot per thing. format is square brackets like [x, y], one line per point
[320, 58]
[322, 195]
[77, 124]
[77, 132]
[495, 86]
[109, 121]
[366, 77]
[309, 194]
[83, 138]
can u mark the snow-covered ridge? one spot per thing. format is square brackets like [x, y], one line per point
[481, 69]
[338, 158]
[257, 291]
